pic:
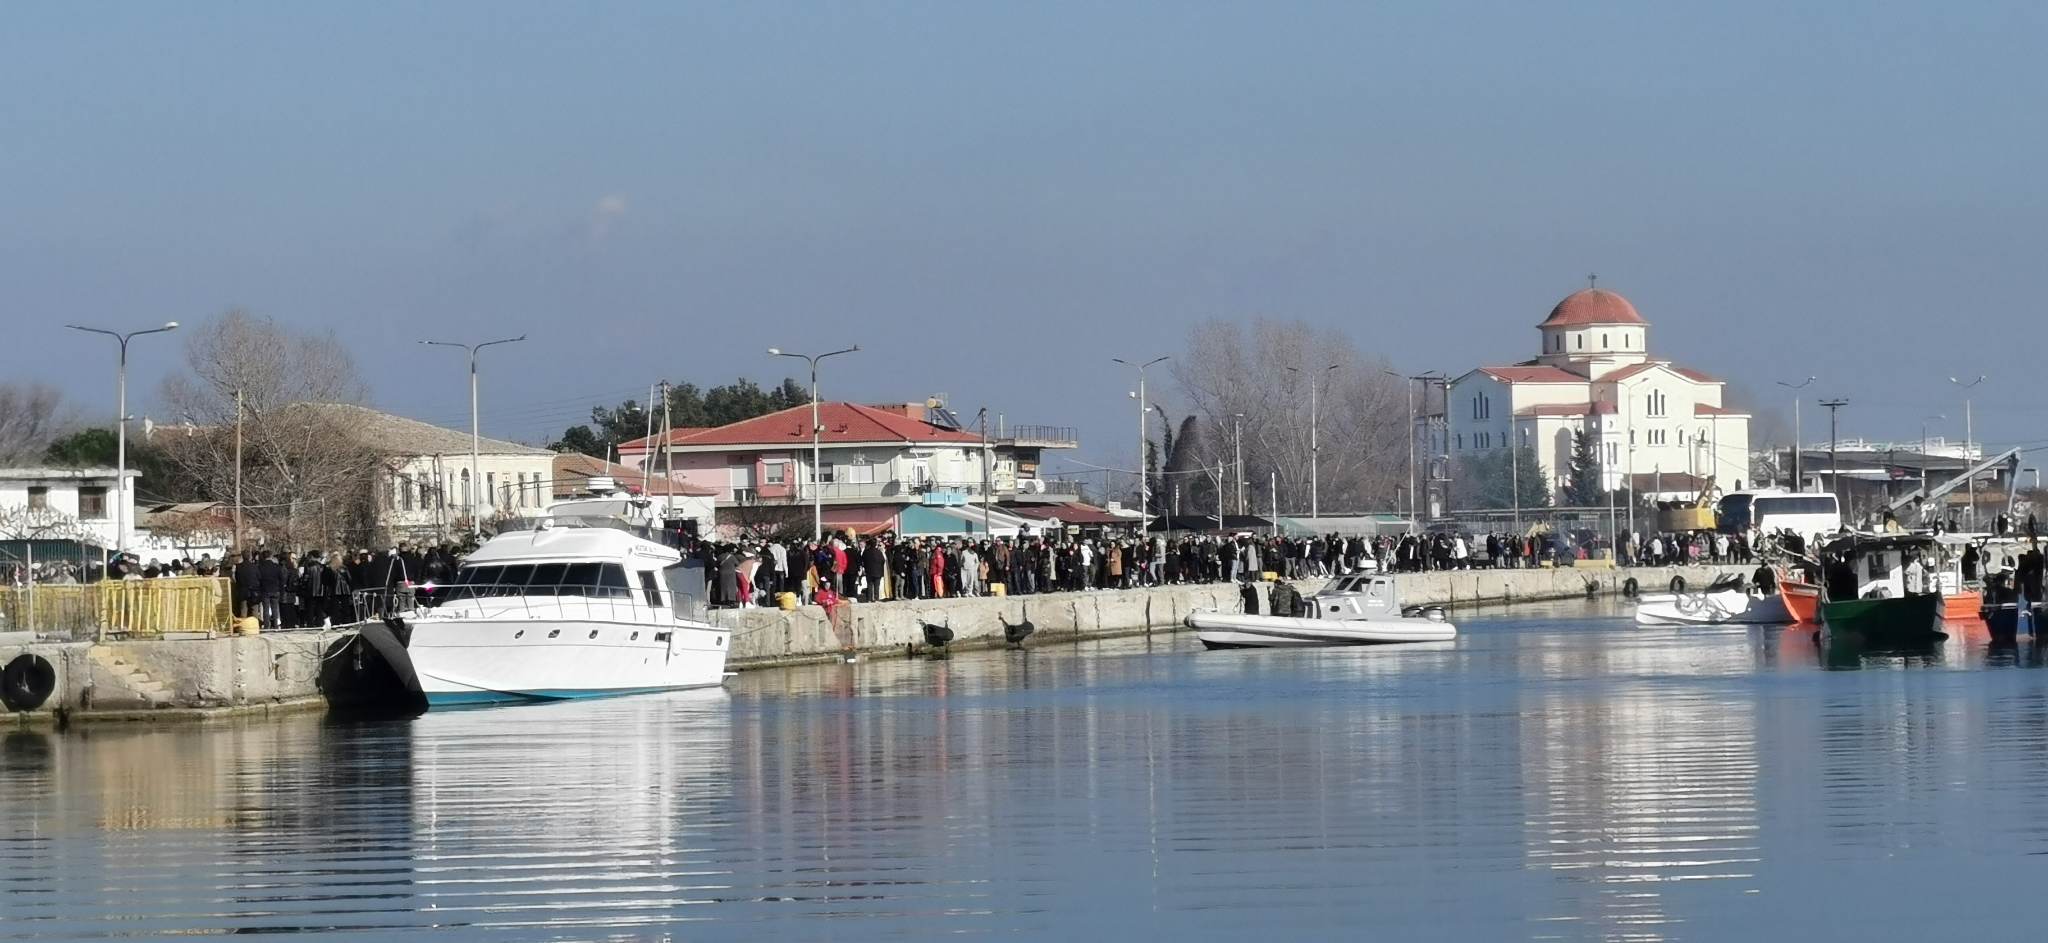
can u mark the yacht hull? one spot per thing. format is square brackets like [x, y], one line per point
[482, 661]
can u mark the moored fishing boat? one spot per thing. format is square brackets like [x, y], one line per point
[1869, 593]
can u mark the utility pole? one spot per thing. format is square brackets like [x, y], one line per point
[1834, 407]
[1969, 442]
[987, 487]
[647, 456]
[1314, 448]
[668, 459]
[1273, 495]
[1798, 480]
[238, 470]
[476, 475]
[817, 451]
[1237, 428]
[1409, 382]
[1515, 472]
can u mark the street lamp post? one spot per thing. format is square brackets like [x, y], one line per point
[1798, 480]
[1314, 448]
[1969, 441]
[1144, 486]
[121, 522]
[817, 496]
[476, 479]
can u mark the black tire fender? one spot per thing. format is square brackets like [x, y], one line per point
[1678, 584]
[1630, 588]
[27, 682]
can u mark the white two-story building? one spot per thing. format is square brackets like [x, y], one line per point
[1662, 423]
[68, 504]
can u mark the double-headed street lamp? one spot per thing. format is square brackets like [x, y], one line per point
[1970, 440]
[1798, 481]
[817, 497]
[1144, 486]
[1314, 449]
[476, 475]
[121, 523]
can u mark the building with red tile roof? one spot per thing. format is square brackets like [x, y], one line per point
[874, 461]
[1594, 375]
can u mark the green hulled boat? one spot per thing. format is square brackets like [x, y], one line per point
[1901, 621]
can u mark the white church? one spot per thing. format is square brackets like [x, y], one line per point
[1653, 419]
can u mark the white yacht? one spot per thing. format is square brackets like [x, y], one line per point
[582, 603]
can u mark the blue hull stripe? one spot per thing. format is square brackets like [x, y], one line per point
[480, 698]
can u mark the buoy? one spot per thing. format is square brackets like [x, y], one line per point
[27, 682]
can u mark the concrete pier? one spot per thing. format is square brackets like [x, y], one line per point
[209, 677]
[768, 637]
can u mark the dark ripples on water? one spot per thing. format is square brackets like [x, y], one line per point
[1554, 774]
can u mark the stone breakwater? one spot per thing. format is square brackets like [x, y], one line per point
[201, 678]
[769, 637]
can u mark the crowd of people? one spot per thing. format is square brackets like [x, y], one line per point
[283, 590]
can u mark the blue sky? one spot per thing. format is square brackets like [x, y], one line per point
[993, 199]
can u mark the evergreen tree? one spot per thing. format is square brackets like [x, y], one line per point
[1583, 488]
[1484, 480]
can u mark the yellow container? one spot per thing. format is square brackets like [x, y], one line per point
[1270, 576]
[998, 589]
[247, 627]
[785, 602]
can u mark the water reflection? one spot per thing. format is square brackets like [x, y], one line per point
[1556, 773]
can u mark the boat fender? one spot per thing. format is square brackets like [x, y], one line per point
[1434, 613]
[1630, 588]
[27, 682]
[1678, 584]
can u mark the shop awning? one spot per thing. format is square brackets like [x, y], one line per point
[862, 520]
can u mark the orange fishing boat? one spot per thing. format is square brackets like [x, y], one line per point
[1802, 600]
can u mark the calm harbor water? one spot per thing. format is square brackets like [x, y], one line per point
[1554, 774]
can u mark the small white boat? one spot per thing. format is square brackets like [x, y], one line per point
[1726, 602]
[1360, 609]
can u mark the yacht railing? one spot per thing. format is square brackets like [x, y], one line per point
[564, 602]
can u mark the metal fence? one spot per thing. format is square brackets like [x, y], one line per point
[118, 608]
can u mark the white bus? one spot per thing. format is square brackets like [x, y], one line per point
[1805, 514]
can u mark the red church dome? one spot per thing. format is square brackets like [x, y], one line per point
[1593, 306]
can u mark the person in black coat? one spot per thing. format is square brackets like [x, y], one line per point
[245, 578]
[270, 579]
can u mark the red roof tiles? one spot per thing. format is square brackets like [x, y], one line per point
[1532, 374]
[842, 423]
[1592, 306]
[1567, 409]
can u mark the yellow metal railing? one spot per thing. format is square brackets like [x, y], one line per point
[132, 608]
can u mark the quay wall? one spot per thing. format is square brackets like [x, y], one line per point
[162, 679]
[769, 637]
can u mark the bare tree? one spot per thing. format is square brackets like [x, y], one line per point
[1361, 413]
[28, 421]
[306, 479]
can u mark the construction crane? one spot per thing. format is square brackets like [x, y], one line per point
[2010, 458]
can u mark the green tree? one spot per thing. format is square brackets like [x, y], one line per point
[96, 447]
[1583, 487]
[689, 406]
[1484, 480]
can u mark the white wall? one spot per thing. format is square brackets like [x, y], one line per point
[62, 502]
